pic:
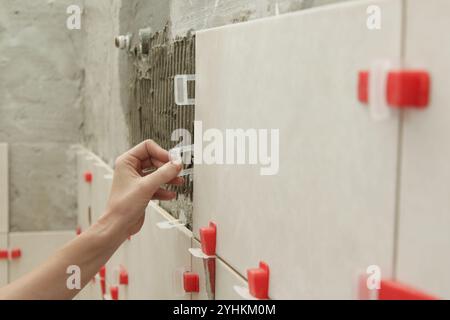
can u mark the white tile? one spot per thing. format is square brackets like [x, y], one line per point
[4, 187]
[101, 185]
[424, 237]
[36, 247]
[92, 197]
[153, 256]
[89, 292]
[225, 279]
[112, 273]
[132, 259]
[3, 263]
[84, 189]
[329, 212]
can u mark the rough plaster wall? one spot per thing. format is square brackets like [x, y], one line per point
[203, 14]
[103, 129]
[40, 111]
[153, 112]
[109, 70]
[135, 15]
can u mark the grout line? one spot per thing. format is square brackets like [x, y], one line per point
[399, 150]
[223, 261]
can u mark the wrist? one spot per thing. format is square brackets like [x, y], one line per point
[110, 229]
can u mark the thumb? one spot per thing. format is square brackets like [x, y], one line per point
[163, 175]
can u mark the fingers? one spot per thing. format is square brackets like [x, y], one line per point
[152, 163]
[148, 166]
[157, 164]
[163, 175]
[178, 181]
[164, 195]
[149, 150]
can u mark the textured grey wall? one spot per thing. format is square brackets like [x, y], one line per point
[40, 111]
[104, 127]
[108, 70]
[203, 14]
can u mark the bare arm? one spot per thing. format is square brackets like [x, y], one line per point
[131, 192]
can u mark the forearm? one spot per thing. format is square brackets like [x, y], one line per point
[130, 194]
[89, 251]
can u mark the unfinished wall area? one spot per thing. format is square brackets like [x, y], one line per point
[40, 111]
[103, 127]
[129, 97]
[109, 71]
[204, 14]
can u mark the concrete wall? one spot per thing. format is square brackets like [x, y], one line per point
[40, 111]
[103, 127]
[108, 70]
[204, 14]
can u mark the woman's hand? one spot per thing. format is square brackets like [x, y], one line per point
[133, 186]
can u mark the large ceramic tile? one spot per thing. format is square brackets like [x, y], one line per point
[3, 262]
[4, 187]
[89, 292]
[329, 211]
[225, 279]
[132, 259]
[424, 237]
[153, 257]
[92, 199]
[101, 186]
[113, 267]
[35, 247]
[84, 189]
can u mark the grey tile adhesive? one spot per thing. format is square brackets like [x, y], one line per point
[153, 113]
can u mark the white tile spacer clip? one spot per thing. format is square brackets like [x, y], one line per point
[258, 284]
[198, 253]
[107, 297]
[172, 224]
[208, 236]
[244, 293]
[180, 155]
[167, 225]
[379, 109]
[176, 153]
[186, 172]
[181, 89]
